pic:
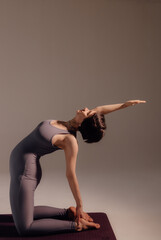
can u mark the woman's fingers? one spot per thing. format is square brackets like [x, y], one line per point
[78, 221]
[137, 101]
[76, 216]
[87, 217]
[79, 225]
[90, 219]
[91, 113]
[140, 101]
[134, 102]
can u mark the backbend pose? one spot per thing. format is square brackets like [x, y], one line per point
[25, 171]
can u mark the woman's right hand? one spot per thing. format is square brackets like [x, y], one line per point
[84, 225]
[81, 214]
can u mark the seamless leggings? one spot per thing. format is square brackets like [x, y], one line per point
[30, 220]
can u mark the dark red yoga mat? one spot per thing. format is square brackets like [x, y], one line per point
[8, 230]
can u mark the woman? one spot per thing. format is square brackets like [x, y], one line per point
[25, 170]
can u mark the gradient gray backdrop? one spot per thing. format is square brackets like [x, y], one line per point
[60, 55]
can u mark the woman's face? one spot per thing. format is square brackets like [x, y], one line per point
[83, 113]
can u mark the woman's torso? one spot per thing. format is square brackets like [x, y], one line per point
[39, 141]
[33, 146]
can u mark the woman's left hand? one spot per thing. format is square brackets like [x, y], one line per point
[133, 102]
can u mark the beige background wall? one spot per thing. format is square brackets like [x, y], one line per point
[60, 55]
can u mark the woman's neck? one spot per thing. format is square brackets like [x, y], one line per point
[71, 125]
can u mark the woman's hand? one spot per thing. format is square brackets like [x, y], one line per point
[86, 217]
[81, 214]
[132, 103]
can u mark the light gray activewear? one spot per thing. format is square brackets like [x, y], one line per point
[25, 171]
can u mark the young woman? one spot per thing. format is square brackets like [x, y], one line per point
[25, 171]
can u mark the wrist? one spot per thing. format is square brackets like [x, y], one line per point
[79, 206]
[124, 105]
[79, 203]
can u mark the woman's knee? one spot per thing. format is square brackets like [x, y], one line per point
[23, 230]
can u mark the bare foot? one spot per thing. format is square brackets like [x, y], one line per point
[72, 214]
[84, 225]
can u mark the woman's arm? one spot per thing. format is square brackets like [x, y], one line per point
[105, 109]
[71, 151]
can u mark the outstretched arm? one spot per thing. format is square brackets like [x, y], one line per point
[105, 109]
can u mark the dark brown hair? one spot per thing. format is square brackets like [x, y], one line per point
[93, 128]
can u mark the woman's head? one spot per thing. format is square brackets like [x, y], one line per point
[82, 114]
[93, 128]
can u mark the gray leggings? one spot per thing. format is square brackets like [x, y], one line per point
[25, 173]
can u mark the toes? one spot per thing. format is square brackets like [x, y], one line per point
[97, 226]
[89, 225]
[79, 229]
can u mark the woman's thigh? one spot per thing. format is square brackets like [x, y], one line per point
[22, 192]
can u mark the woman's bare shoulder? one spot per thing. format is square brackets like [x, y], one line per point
[70, 139]
[64, 141]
